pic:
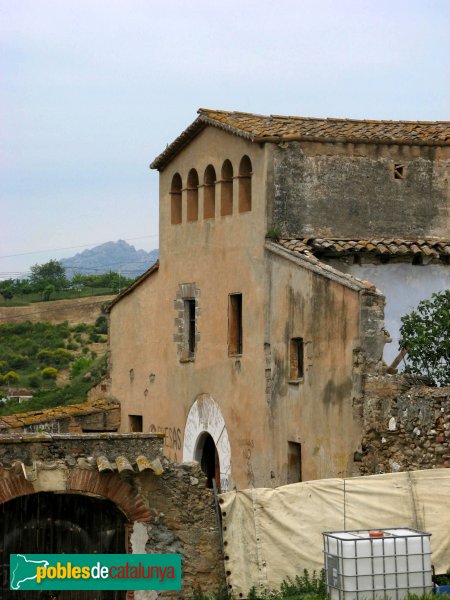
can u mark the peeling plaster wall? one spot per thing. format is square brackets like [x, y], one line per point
[404, 286]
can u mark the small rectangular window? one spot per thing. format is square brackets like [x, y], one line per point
[235, 324]
[294, 471]
[296, 358]
[135, 423]
[399, 171]
[189, 314]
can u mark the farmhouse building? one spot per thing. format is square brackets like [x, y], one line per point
[249, 344]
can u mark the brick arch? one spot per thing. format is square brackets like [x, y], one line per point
[109, 486]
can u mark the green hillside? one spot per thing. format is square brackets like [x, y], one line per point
[56, 363]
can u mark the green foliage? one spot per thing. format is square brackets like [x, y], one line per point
[3, 366]
[101, 325]
[425, 335]
[48, 274]
[10, 377]
[274, 232]
[49, 373]
[34, 381]
[81, 365]
[48, 291]
[7, 293]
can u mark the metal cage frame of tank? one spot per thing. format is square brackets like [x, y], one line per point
[396, 592]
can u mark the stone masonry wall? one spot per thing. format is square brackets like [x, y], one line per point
[169, 510]
[404, 427]
[349, 191]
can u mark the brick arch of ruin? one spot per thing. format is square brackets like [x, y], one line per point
[107, 486]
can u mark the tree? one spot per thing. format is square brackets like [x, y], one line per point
[50, 273]
[425, 335]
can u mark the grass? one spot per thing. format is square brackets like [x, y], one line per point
[303, 587]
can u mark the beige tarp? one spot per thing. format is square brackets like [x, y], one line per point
[270, 534]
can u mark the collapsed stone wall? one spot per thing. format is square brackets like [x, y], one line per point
[404, 426]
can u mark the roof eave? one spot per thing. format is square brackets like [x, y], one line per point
[133, 286]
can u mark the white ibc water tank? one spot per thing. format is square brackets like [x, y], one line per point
[369, 564]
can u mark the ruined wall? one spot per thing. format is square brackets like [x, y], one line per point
[349, 190]
[168, 507]
[405, 427]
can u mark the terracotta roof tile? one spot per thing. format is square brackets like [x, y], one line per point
[319, 246]
[274, 128]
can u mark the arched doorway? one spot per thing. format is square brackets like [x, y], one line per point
[54, 523]
[206, 438]
[206, 454]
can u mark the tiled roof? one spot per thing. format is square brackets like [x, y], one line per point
[380, 246]
[23, 419]
[275, 128]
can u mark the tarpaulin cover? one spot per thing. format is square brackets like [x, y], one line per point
[272, 534]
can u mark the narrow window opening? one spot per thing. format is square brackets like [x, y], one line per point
[235, 324]
[209, 195]
[189, 311]
[175, 200]
[135, 423]
[294, 472]
[245, 185]
[226, 189]
[296, 358]
[399, 171]
[192, 196]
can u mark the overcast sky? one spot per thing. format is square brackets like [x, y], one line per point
[92, 90]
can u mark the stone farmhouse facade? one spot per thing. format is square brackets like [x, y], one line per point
[249, 344]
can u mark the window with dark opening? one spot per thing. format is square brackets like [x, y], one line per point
[209, 195]
[175, 200]
[192, 196]
[294, 471]
[399, 171]
[226, 189]
[189, 312]
[245, 185]
[296, 358]
[135, 422]
[235, 324]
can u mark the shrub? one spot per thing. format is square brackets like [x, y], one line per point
[49, 373]
[101, 325]
[11, 377]
[45, 356]
[3, 366]
[18, 360]
[79, 366]
[425, 335]
[62, 357]
[34, 381]
[72, 346]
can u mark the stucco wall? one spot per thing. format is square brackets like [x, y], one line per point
[248, 395]
[349, 191]
[404, 286]
[217, 257]
[317, 410]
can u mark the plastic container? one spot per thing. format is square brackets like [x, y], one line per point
[377, 563]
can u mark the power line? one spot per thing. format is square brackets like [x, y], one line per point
[74, 247]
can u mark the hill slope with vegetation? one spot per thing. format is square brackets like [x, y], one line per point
[58, 363]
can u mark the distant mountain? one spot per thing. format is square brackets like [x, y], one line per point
[111, 256]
